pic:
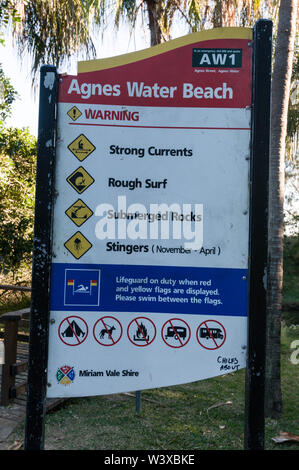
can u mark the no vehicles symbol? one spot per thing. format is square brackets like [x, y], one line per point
[176, 333]
[211, 334]
[73, 331]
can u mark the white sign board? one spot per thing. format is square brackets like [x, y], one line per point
[150, 235]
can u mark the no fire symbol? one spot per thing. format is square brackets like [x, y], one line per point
[141, 331]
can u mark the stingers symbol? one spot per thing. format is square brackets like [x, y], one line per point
[77, 245]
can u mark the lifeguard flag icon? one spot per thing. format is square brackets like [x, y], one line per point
[82, 287]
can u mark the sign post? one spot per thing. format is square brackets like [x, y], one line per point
[255, 371]
[41, 269]
[150, 237]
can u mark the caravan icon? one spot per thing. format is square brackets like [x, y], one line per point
[210, 333]
[176, 332]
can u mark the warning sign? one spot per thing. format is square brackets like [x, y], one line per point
[73, 331]
[176, 333]
[211, 334]
[74, 113]
[79, 212]
[81, 147]
[150, 260]
[141, 331]
[78, 245]
[80, 180]
[107, 331]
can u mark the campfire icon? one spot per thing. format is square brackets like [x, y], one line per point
[141, 333]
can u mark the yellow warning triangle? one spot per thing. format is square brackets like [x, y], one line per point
[77, 245]
[79, 212]
[81, 147]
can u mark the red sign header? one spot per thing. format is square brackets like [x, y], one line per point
[214, 73]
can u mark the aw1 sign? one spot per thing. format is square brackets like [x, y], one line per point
[149, 272]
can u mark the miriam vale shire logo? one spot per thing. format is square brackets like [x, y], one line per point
[65, 375]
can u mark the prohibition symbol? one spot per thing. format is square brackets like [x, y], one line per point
[141, 331]
[176, 333]
[73, 331]
[107, 331]
[211, 334]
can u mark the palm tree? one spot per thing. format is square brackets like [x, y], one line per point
[281, 81]
[51, 31]
[195, 14]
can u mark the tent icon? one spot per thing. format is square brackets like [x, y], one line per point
[73, 330]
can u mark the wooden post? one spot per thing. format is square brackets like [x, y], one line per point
[10, 354]
[42, 248]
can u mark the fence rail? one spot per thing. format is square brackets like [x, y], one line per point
[10, 287]
[13, 323]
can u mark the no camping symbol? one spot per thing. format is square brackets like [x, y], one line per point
[107, 331]
[211, 334]
[73, 331]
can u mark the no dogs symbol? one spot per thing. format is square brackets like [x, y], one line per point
[107, 331]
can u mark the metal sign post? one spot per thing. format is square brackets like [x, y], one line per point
[255, 371]
[42, 248]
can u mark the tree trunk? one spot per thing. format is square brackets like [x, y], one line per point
[224, 13]
[281, 80]
[155, 11]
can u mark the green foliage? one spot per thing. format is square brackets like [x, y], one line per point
[7, 96]
[53, 31]
[17, 185]
[8, 13]
[291, 269]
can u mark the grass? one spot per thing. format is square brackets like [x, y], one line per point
[204, 415]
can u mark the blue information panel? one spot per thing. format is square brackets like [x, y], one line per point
[149, 288]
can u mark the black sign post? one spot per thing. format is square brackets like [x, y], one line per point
[42, 247]
[258, 250]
